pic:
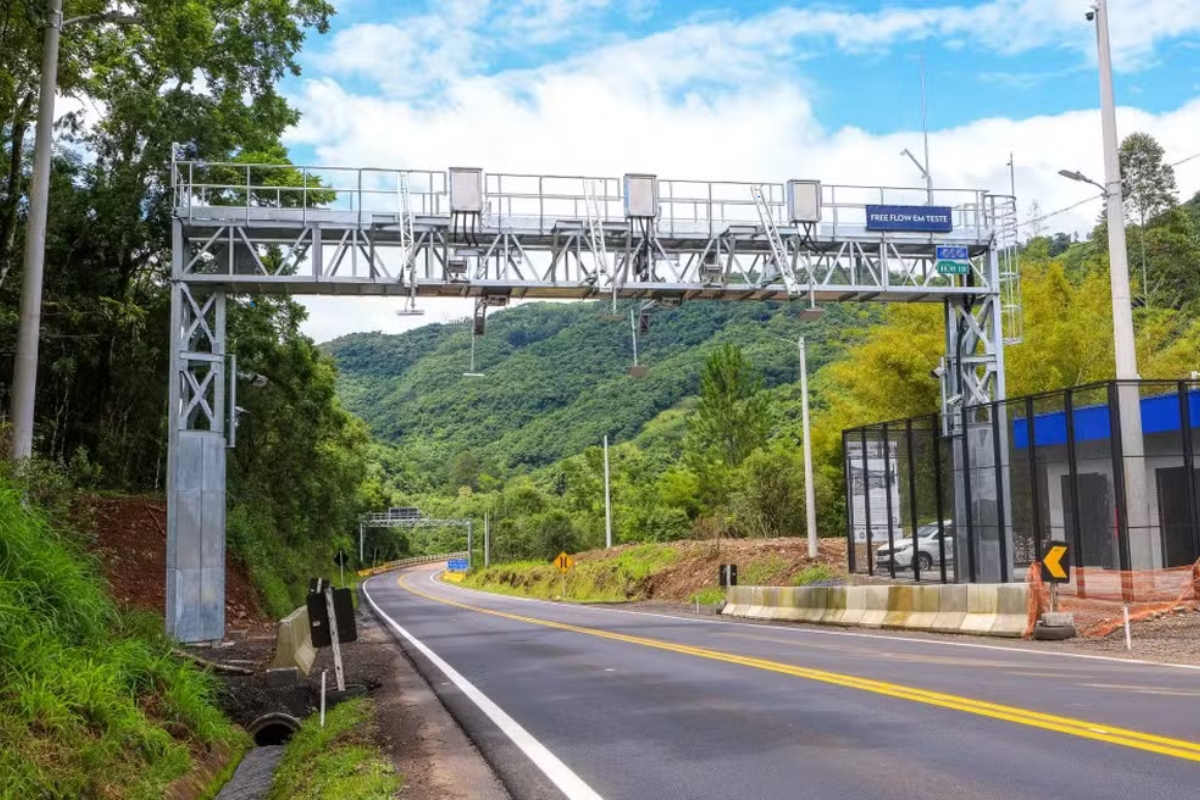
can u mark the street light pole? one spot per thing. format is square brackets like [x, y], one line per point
[810, 507]
[24, 388]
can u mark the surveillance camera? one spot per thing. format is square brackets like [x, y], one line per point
[1090, 14]
[937, 373]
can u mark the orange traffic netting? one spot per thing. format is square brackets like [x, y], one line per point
[1097, 596]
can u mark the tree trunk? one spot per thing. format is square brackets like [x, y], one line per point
[12, 190]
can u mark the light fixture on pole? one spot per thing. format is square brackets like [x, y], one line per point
[1081, 178]
[24, 384]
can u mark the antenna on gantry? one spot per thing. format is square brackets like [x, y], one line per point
[408, 251]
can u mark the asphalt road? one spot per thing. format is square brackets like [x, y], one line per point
[578, 702]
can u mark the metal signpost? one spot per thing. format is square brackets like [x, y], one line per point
[1056, 568]
[565, 563]
[458, 233]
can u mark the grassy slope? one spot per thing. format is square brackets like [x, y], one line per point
[557, 373]
[340, 760]
[618, 579]
[92, 702]
[676, 571]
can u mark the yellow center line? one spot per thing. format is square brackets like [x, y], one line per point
[1178, 748]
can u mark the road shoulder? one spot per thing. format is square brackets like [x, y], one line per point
[423, 740]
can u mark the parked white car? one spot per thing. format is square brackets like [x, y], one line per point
[928, 553]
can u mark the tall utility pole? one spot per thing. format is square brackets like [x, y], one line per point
[24, 389]
[1117, 254]
[1137, 515]
[487, 542]
[607, 500]
[810, 503]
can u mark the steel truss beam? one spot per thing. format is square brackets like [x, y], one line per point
[391, 233]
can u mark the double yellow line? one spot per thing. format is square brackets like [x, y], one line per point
[1176, 748]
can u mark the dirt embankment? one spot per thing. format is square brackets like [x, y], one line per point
[131, 543]
[696, 564]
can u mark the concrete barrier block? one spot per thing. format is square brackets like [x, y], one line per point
[926, 605]
[835, 605]
[736, 601]
[900, 606]
[758, 602]
[293, 643]
[876, 606]
[1012, 610]
[856, 605]
[983, 601]
[811, 602]
[952, 608]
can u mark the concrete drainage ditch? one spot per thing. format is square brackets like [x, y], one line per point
[252, 780]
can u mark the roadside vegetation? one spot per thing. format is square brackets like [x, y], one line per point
[682, 572]
[340, 760]
[707, 445]
[93, 704]
[624, 577]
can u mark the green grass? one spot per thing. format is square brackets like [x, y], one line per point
[92, 702]
[814, 574]
[763, 571]
[279, 569]
[708, 597]
[622, 578]
[340, 760]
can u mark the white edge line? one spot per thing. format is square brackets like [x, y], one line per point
[559, 773]
[819, 632]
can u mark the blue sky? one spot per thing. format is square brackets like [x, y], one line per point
[755, 90]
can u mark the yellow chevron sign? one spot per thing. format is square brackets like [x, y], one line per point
[1056, 564]
[564, 562]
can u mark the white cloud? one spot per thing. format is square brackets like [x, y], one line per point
[418, 51]
[708, 101]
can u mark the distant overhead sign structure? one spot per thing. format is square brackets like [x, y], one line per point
[953, 260]
[406, 512]
[564, 562]
[1056, 564]
[919, 219]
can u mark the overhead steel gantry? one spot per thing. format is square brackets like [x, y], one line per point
[269, 229]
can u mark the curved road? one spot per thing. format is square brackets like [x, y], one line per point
[586, 703]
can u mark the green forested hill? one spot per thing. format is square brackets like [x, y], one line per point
[556, 374]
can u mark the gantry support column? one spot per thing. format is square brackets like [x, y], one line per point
[195, 596]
